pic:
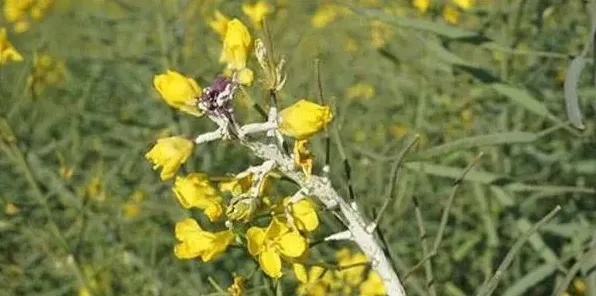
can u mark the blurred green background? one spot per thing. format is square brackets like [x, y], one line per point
[81, 206]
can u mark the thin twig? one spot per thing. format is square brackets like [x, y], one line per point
[428, 268]
[389, 196]
[490, 286]
[445, 215]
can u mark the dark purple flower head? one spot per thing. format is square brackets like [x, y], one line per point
[218, 96]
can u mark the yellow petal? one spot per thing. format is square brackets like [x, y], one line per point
[187, 228]
[7, 51]
[292, 244]
[270, 263]
[236, 45]
[178, 91]
[256, 238]
[245, 76]
[305, 215]
[219, 23]
[304, 119]
[257, 11]
[218, 245]
[300, 272]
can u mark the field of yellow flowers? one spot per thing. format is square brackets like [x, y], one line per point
[307, 147]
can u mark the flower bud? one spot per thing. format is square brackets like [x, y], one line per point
[304, 119]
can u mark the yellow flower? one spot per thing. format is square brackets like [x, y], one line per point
[7, 51]
[450, 14]
[398, 130]
[257, 11]
[196, 242]
[325, 14]
[304, 214]
[422, 5]
[579, 286]
[304, 119]
[360, 90]
[270, 244]
[95, 189]
[11, 209]
[48, 71]
[316, 283]
[219, 23]
[15, 10]
[132, 207]
[195, 190]
[303, 157]
[169, 153]
[239, 186]
[352, 267]
[237, 288]
[464, 4]
[178, 91]
[380, 32]
[236, 45]
[373, 286]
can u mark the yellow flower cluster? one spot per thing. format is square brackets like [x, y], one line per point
[450, 11]
[236, 200]
[20, 12]
[7, 51]
[47, 71]
[350, 276]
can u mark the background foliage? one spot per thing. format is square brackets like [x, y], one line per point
[82, 206]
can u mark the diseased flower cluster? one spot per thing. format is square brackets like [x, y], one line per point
[21, 12]
[274, 229]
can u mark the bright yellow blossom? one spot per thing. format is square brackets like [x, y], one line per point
[271, 244]
[373, 286]
[169, 153]
[303, 157]
[236, 49]
[304, 119]
[450, 14]
[422, 5]
[360, 90]
[237, 288]
[236, 46]
[196, 242]
[7, 51]
[464, 4]
[257, 11]
[178, 91]
[219, 23]
[303, 213]
[195, 190]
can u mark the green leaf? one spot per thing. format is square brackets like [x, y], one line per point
[531, 279]
[522, 98]
[477, 141]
